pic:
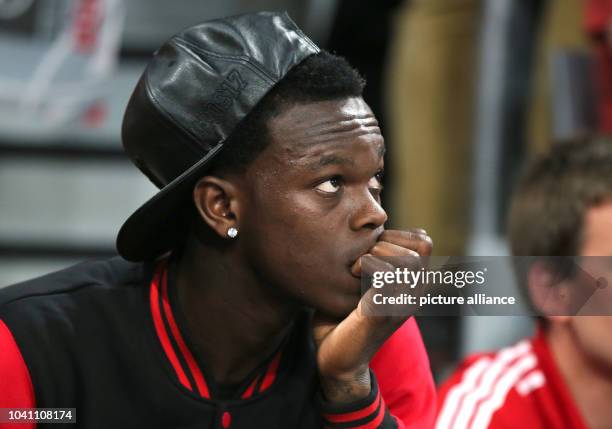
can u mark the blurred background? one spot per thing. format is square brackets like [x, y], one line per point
[465, 90]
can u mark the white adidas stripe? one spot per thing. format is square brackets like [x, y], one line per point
[474, 382]
[532, 381]
[456, 393]
[502, 387]
[488, 381]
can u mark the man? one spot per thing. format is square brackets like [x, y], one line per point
[246, 311]
[562, 377]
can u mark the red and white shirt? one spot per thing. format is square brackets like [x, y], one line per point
[518, 386]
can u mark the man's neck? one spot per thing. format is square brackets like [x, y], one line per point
[234, 321]
[590, 387]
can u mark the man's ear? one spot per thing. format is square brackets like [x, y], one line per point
[550, 295]
[218, 204]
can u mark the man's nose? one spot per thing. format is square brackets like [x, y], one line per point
[368, 213]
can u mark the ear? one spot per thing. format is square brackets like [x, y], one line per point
[549, 295]
[218, 204]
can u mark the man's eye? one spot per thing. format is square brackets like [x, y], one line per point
[376, 182]
[330, 186]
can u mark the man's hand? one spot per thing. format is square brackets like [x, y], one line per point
[345, 348]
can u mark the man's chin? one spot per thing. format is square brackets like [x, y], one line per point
[339, 309]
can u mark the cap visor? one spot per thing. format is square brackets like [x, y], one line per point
[154, 227]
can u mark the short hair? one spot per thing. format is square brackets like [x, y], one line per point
[550, 200]
[548, 208]
[320, 77]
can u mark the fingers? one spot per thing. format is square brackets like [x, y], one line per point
[414, 242]
[385, 283]
[394, 250]
[369, 263]
[414, 239]
[384, 249]
[396, 256]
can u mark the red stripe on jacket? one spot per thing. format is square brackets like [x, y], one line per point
[16, 389]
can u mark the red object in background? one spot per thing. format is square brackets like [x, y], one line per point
[598, 22]
[86, 21]
[95, 114]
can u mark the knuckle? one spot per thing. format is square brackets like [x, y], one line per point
[427, 244]
[378, 247]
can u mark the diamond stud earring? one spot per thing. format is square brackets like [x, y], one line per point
[232, 232]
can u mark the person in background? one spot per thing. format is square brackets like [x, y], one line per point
[561, 378]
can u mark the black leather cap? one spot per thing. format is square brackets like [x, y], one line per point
[199, 85]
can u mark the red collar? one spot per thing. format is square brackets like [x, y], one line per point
[178, 353]
[558, 385]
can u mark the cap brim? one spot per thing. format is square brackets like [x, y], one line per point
[152, 229]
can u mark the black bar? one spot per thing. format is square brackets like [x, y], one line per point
[63, 151]
[54, 250]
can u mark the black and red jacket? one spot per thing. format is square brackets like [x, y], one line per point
[102, 337]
